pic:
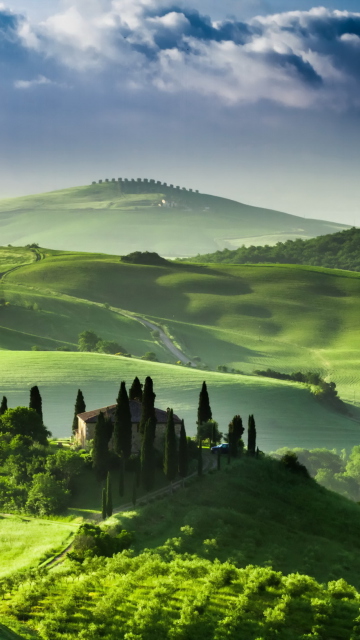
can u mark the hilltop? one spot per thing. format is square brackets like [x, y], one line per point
[123, 216]
[243, 318]
[336, 251]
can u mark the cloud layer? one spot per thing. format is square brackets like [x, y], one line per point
[299, 59]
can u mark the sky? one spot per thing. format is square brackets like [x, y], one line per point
[255, 100]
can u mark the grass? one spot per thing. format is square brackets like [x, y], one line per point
[26, 542]
[101, 218]
[246, 317]
[245, 552]
[286, 413]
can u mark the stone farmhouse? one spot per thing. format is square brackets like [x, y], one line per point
[87, 422]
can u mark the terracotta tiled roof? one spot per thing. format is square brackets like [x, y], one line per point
[135, 408]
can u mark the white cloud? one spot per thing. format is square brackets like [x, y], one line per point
[296, 58]
[27, 84]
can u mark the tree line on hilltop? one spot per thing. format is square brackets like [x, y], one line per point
[334, 251]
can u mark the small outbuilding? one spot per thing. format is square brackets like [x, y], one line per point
[88, 419]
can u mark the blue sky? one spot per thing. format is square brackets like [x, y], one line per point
[254, 100]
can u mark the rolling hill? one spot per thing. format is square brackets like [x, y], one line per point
[114, 217]
[243, 317]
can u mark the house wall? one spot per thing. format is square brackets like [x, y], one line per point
[86, 432]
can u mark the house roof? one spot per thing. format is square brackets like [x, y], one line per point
[135, 407]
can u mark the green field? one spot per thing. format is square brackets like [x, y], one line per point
[102, 218]
[25, 542]
[286, 413]
[245, 317]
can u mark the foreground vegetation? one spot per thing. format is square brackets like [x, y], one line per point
[220, 559]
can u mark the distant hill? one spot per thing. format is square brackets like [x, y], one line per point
[120, 217]
[335, 251]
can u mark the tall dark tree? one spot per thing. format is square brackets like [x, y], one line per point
[80, 407]
[123, 424]
[121, 476]
[36, 401]
[251, 448]
[103, 504]
[170, 450]
[100, 452]
[200, 459]
[183, 452]
[109, 505]
[147, 457]
[236, 430]
[109, 427]
[204, 410]
[148, 407]
[3, 406]
[136, 392]
[134, 490]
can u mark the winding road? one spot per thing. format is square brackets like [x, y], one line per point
[165, 340]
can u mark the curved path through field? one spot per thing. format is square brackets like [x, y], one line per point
[167, 342]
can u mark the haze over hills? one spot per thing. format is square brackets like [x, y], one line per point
[120, 217]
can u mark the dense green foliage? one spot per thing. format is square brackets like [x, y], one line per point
[144, 257]
[89, 341]
[338, 472]
[135, 392]
[34, 478]
[235, 433]
[169, 596]
[3, 406]
[91, 541]
[336, 251]
[24, 422]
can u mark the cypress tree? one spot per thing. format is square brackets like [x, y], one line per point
[170, 451]
[147, 457]
[100, 452]
[204, 410]
[121, 476]
[109, 427]
[35, 401]
[80, 407]
[148, 406]
[251, 448]
[135, 392]
[3, 406]
[183, 452]
[109, 506]
[134, 489]
[123, 424]
[103, 508]
[200, 459]
[236, 430]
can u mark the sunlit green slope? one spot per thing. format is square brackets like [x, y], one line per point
[102, 217]
[246, 317]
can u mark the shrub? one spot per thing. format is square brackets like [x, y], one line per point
[47, 495]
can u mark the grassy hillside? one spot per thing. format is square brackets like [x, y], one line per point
[103, 218]
[337, 250]
[225, 558]
[286, 413]
[246, 317]
[243, 317]
[26, 542]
